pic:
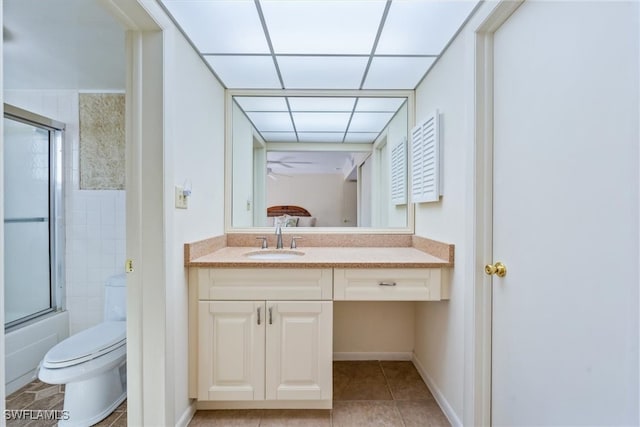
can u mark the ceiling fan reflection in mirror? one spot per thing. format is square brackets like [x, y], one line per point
[287, 163]
[275, 175]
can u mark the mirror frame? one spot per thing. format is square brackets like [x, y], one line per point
[228, 156]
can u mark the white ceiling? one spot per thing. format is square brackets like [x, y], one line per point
[62, 44]
[320, 45]
[252, 44]
[319, 119]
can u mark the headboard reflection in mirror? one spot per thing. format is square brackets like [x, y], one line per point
[289, 216]
[320, 160]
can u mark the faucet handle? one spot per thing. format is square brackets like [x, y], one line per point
[294, 245]
[264, 242]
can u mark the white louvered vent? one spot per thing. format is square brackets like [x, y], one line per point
[399, 173]
[425, 160]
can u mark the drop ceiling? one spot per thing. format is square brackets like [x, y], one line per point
[362, 45]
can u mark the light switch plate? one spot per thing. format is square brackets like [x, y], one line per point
[181, 199]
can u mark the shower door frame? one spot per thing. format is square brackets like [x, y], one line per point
[56, 210]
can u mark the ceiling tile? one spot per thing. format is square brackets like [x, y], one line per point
[333, 137]
[279, 136]
[422, 27]
[369, 122]
[321, 104]
[221, 26]
[322, 72]
[321, 122]
[396, 73]
[262, 103]
[271, 122]
[322, 27]
[245, 72]
[379, 104]
[361, 137]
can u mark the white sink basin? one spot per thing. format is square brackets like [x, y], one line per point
[276, 254]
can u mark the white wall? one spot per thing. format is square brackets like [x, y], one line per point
[194, 152]
[95, 221]
[323, 195]
[382, 330]
[440, 326]
[444, 348]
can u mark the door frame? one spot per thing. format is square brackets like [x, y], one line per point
[147, 374]
[477, 387]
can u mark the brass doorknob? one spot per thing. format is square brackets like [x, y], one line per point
[499, 269]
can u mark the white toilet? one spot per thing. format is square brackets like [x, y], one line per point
[92, 363]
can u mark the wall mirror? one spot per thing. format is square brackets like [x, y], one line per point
[319, 161]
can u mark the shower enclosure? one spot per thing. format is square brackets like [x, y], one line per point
[33, 224]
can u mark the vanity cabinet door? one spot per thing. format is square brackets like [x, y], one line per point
[231, 350]
[299, 350]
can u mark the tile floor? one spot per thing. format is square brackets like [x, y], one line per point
[38, 396]
[365, 393]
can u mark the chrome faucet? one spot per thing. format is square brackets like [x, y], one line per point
[279, 244]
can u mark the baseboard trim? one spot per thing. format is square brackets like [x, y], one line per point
[265, 404]
[437, 394]
[187, 415]
[398, 355]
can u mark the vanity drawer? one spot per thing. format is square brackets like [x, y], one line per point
[388, 284]
[264, 283]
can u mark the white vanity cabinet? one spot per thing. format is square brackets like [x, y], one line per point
[264, 335]
[390, 284]
[231, 350]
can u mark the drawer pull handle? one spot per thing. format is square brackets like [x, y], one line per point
[387, 284]
[271, 315]
[259, 309]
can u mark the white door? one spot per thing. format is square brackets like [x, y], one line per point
[565, 317]
[299, 356]
[231, 350]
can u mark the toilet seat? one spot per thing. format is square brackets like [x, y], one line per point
[87, 345]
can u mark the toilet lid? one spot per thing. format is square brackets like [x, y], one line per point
[87, 345]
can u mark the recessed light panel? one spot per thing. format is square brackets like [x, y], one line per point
[396, 73]
[279, 136]
[321, 104]
[322, 27]
[221, 26]
[321, 122]
[322, 72]
[369, 122]
[333, 137]
[379, 104]
[422, 27]
[245, 72]
[271, 122]
[361, 137]
[262, 103]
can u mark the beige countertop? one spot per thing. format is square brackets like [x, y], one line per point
[324, 257]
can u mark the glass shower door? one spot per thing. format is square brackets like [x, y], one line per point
[27, 206]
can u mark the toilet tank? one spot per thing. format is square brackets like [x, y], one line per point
[115, 297]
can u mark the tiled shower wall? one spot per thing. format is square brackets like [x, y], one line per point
[95, 220]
